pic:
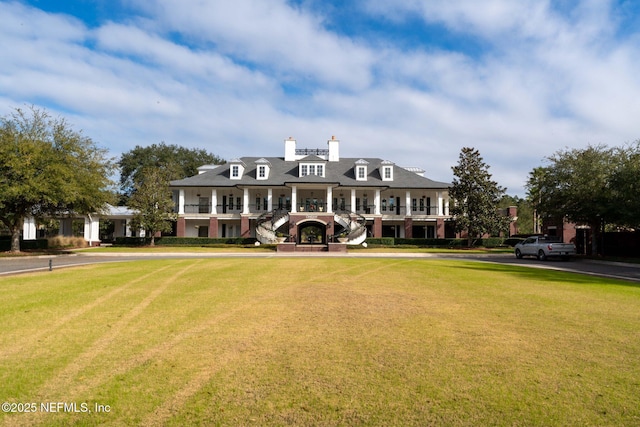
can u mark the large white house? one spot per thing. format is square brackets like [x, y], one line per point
[311, 196]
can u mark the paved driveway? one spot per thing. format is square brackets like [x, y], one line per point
[630, 272]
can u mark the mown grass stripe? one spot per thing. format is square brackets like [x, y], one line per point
[341, 341]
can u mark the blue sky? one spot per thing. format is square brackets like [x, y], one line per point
[410, 81]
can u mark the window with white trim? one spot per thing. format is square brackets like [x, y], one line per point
[311, 169]
[236, 169]
[360, 170]
[262, 172]
[387, 173]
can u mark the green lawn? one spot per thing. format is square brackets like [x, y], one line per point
[222, 248]
[326, 341]
[179, 249]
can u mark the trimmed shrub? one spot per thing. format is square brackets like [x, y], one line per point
[431, 242]
[490, 242]
[383, 241]
[131, 241]
[59, 242]
[184, 241]
[25, 245]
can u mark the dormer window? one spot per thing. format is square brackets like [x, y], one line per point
[361, 170]
[262, 170]
[387, 171]
[316, 169]
[237, 169]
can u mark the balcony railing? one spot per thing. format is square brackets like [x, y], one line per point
[425, 210]
[203, 209]
[316, 207]
[312, 207]
[312, 151]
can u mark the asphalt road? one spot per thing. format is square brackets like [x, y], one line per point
[629, 272]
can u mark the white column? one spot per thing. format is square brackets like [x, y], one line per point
[376, 201]
[245, 203]
[294, 199]
[93, 226]
[214, 201]
[408, 203]
[29, 229]
[180, 202]
[330, 199]
[270, 199]
[128, 225]
[87, 228]
[353, 200]
[439, 195]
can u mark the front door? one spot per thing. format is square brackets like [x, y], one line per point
[312, 233]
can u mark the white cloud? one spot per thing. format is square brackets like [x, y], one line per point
[23, 22]
[544, 79]
[177, 60]
[489, 18]
[271, 34]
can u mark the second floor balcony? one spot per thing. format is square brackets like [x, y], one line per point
[315, 206]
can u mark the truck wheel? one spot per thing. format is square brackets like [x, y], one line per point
[541, 255]
[518, 254]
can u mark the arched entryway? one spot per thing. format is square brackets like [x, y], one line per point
[312, 233]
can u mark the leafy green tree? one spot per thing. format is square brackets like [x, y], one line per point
[624, 185]
[525, 220]
[535, 190]
[48, 169]
[476, 197]
[151, 200]
[576, 186]
[176, 162]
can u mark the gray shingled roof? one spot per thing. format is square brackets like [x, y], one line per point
[286, 172]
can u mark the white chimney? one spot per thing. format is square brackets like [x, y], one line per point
[289, 150]
[334, 149]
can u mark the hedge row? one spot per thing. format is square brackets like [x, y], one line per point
[491, 242]
[25, 245]
[183, 241]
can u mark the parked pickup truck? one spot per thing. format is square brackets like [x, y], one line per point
[544, 247]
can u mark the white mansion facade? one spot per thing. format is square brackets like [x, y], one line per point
[310, 196]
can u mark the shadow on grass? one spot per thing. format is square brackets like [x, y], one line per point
[548, 275]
